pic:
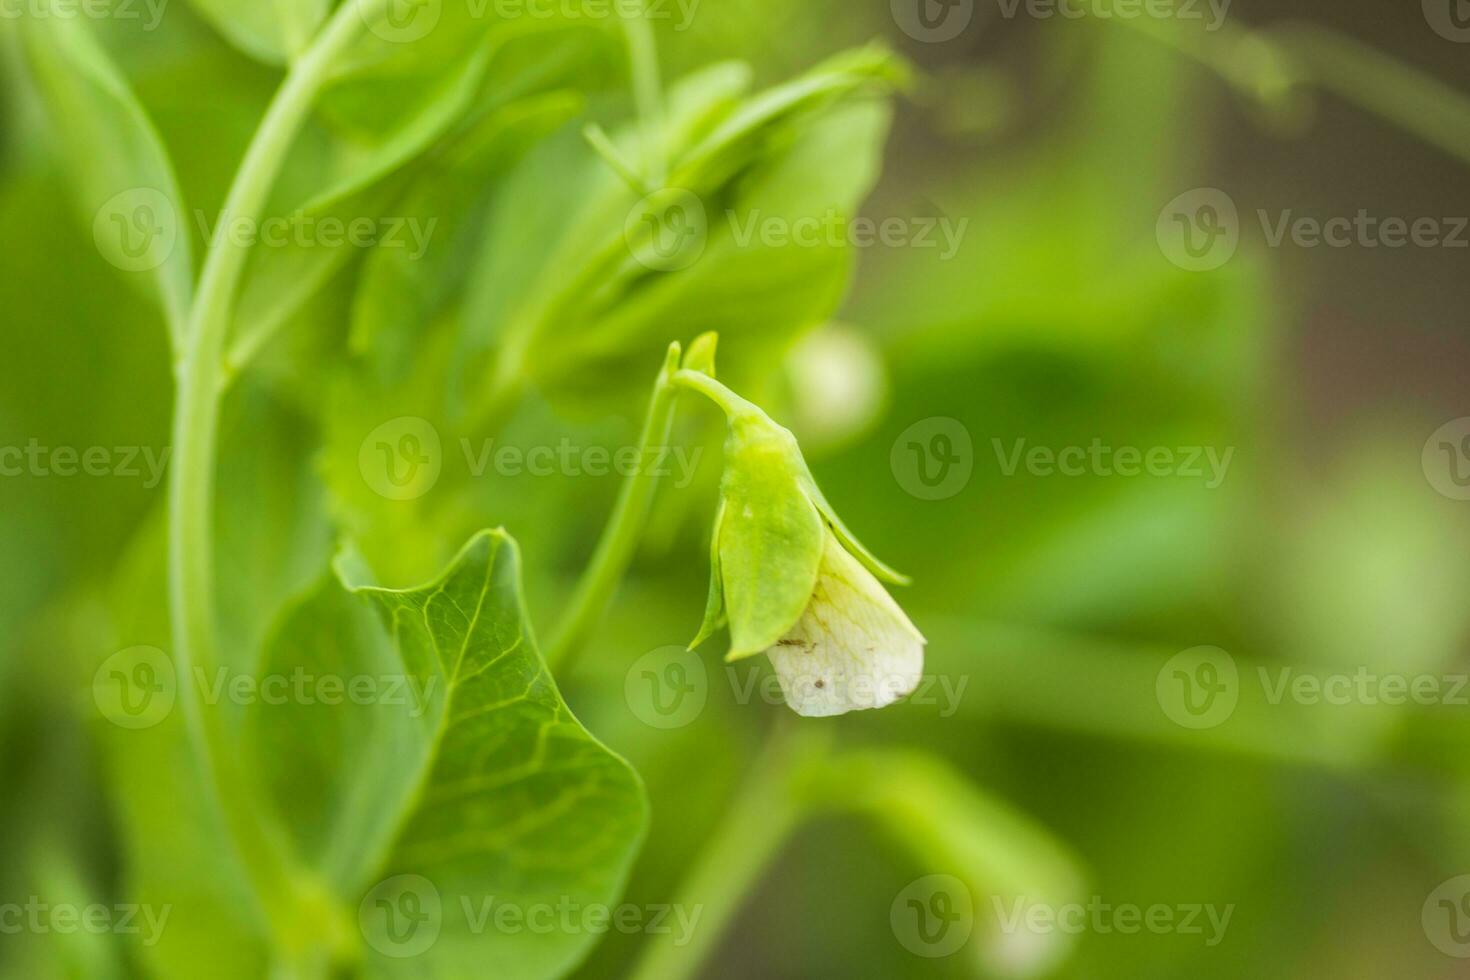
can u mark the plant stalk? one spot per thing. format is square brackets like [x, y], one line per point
[762, 817]
[259, 842]
[620, 538]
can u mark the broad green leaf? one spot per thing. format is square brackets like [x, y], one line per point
[273, 31]
[483, 789]
[126, 192]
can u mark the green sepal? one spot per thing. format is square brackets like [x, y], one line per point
[849, 540]
[714, 609]
[770, 536]
[701, 356]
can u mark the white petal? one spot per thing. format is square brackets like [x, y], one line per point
[853, 647]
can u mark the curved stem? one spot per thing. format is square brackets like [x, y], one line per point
[1395, 92]
[258, 841]
[620, 537]
[762, 817]
[1265, 62]
[730, 403]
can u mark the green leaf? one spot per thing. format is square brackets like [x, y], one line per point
[271, 543]
[804, 151]
[403, 292]
[120, 171]
[486, 789]
[378, 137]
[273, 31]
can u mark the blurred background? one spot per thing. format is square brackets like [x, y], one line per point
[1116, 717]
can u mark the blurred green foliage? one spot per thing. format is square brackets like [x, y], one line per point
[1056, 601]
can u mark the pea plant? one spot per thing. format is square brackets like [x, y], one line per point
[525, 241]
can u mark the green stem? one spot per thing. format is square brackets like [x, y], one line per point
[1265, 63]
[620, 537]
[730, 403]
[648, 95]
[763, 815]
[1395, 92]
[259, 843]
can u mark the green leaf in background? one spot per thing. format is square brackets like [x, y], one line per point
[274, 31]
[1002, 858]
[403, 293]
[127, 191]
[481, 791]
[596, 306]
[352, 175]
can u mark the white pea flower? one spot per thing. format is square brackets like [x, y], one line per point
[852, 648]
[793, 582]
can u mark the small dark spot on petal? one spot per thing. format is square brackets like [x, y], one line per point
[821, 684]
